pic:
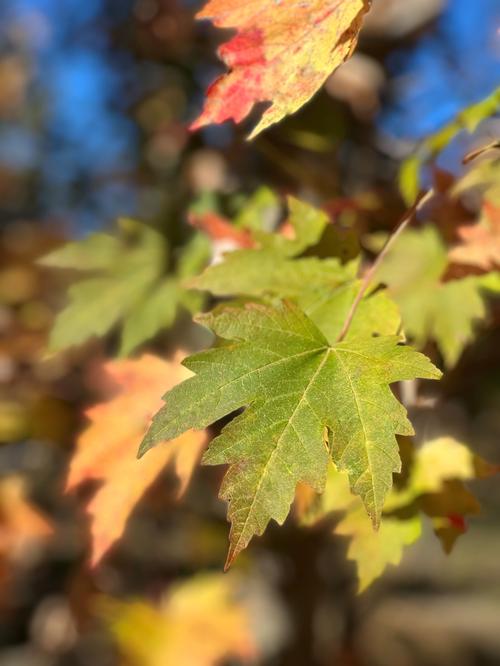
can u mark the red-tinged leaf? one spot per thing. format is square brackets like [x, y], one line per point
[457, 521]
[282, 53]
[219, 229]
[106, 450]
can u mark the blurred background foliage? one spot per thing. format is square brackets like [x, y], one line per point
[95, 97]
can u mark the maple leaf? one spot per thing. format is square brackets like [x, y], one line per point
[106, 450]
[434, 488]
[264, 271]
[296, 387]
[282, 53]
[374, 550]
[448, 510]
[480, 244]
[437, 485]
[23, 529]
[442, 459]
[376, 315]
[324, 288]
[431, 308]
[200, 622]
[273, 266]
[129, 285]
[21, 524]
[371, 550]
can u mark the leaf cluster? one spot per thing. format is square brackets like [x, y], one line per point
[124, 278]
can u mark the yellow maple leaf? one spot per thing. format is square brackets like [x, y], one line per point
[199, 623]
[373, 550]
[435, 488]
[282, 53]
[107, 450]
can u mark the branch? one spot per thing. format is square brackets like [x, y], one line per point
[374, 267]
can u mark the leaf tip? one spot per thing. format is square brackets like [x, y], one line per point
[254, 133]
[374, 513]
[196, 124]
[435, 372]
[100, 546]
[232, 554]
[94, 561]
[144, 447]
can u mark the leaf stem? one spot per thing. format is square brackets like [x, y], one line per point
[407, 218]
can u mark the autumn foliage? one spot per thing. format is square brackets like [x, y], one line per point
[282, 53]
[272, 354]
[106, 450]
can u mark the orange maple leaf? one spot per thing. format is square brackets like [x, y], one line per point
[107, 450]
[21, 524]
[480, 242]
[282, 53]
[23, 528]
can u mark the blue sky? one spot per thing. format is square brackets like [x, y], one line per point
[456, 64]
[76, 133]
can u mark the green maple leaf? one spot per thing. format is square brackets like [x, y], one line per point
[266, 271]
[323, 287]
[447, 312]
[129, 283]
[377, 314]
[274, 266]
[300, 392]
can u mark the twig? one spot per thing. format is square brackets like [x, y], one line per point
[374, 267]
[494, 145]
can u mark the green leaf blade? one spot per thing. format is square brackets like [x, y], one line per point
[96, 252]
[155, 311]
[296, 389]
[95, 306]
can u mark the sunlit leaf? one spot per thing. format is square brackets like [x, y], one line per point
[297, 387]
[128, 284]
[199, 622]
[324, 288]
[22, 525]
[106, 450]
[374, 550]
[432, 308]
[435, 488]
[282, 53]
[480, 242]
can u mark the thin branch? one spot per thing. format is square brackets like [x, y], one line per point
[374, 267]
